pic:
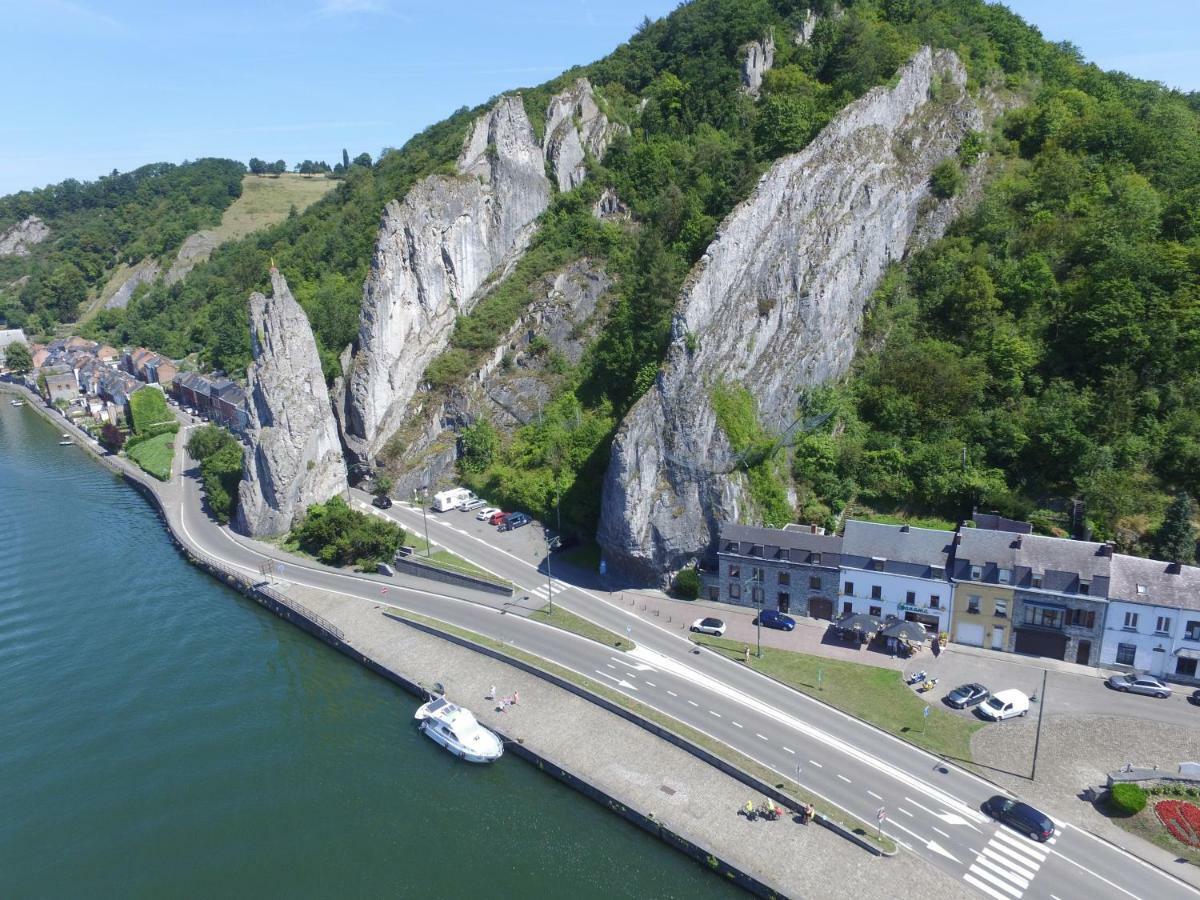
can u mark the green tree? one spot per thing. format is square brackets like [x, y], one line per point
[784, 125]
[221, 473]
[479, 444]
[1175, 540]
[18, 358]
[383, 485]
[947, 179]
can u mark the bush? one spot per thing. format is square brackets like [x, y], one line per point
[1127, 799]
[148, 408]
[947, 179]
[338, 535]
[687, 584]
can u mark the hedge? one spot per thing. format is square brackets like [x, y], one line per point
[1127, 799]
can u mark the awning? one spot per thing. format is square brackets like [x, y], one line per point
[913, 632]
[1188, 653]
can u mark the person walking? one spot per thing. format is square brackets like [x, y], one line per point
[746, 652]
[491, 694]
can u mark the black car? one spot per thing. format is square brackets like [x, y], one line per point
[1194, 699]
[967, 695]
[514, 521]
[383, 501]
[1020, 817]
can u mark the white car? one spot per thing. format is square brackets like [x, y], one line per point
[486, 513]
[712, 626]
[1003, 705]
[471, 504]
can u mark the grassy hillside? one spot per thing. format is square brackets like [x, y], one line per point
[267, 200]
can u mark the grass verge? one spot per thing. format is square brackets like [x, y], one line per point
[155, 455]
[1147, 826]
[876, 695]
[568, 621]
[689, 734]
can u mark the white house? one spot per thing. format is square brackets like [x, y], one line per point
[897, 570]
[1153, 621]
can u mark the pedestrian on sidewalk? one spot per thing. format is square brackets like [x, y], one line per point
[746, 652]
[491, 694]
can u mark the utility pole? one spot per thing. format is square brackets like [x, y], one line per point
[418, 498]
[1037, 740]
[758, 620]
[549, 577]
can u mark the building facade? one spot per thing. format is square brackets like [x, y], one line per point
[793, 570]
[982, 572]
[897, 570]
[1153, 622]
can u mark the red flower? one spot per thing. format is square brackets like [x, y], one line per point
[1181, 819]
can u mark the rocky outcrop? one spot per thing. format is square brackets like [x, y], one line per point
[805, 32]
[17, 239]
[126, 280]
[758, 57]
[775, 305]
[574, 123]
[512, 385]
[294, 458]
[610, 207]
[436, 249]
[196, 249]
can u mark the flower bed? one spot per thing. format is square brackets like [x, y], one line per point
[1180, 818]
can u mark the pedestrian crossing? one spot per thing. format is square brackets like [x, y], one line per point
[542, 591]
[1007, 865]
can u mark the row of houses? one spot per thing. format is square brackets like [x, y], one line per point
[991, 583]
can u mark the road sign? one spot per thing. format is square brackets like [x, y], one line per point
[926, 712]
[882, 814]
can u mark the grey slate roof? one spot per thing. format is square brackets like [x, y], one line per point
[990, 550]
[905, 550]
[1162, 587]
[775, 543]
[1063, 563]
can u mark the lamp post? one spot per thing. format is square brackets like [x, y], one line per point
[549, 577]
[420, 500]
[758, 620]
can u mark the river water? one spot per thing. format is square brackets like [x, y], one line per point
[160, 735]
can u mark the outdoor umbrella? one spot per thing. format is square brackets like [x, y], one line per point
[859, 622]
[913, 632]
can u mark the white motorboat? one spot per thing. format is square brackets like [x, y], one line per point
[17, 402]
[457, 730]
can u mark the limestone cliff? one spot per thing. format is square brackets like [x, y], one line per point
[757, 59]
[17, 239]
[775, 305]
[294, 458]
[127, 279]
[436, 248]
[574, 123]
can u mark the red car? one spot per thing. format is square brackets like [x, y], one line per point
[497, 518]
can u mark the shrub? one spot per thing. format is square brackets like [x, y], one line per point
[947, 179]
[1127, 799]
[687, 584]
[147, 408]
[338, 535]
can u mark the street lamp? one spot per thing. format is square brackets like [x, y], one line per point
[549, 577]
[418, 499]
[760, 603]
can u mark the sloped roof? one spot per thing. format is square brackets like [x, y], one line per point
[899, 543]
[1159, 584]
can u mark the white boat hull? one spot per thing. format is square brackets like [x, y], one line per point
[457, 750]
[457, 730]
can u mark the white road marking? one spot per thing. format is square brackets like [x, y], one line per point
[694, 703]
[712, 712]
[1022, 867]
[1141, 862]
[790, 750]
[845, 779]
[1002, 871]
[905, 811]
[763, 736]
[620, 681]
[875, 795]
[938, 848]
[939, 831]
[817, 764]
[611, 666]
[992, 879]
[672, 693]
[979, 885]
[894, 824]
[651, 684]
[738, 724]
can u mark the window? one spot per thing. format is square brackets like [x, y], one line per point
[735, 571]
[1141, 589]
[814, 583]
[784, 554]
[1084, 618]
[1002, 609]
[784, 599]
[1084, 587]
[847, 607]
[1193, 631]
[1043, 617]
[973, 603]
[976, 572]
[848, 590]
[876, 592]
[756, 573]
[735, 591]
[910, 597]
[1126, 653]
[815, 559]
[935, 601]
[1163, 625]
[1037, 581]
[1004, 576]
[1131, 621]
[785, 577]
[877, 563]
[876, 611]
[1186, 667]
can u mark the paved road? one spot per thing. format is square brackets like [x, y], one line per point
[932, 809]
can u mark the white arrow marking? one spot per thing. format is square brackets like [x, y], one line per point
[938, 848]
[620, 683]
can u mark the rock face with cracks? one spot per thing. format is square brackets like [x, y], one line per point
[758, 58]
[574, 123]
[294, 458]
[775, 306]
[17, 239]
[436, 248]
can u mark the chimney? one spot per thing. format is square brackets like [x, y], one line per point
[1017, 542]
[957, 539]
[1174, 568]
[1106, 550]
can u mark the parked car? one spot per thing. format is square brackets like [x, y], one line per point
[497, 517]
[1003, 705]
[485, 514]
[1132, 683]
[513, 521]
[709, 625]
[471, 504]
[967, 695]
[383, 501]
[1194, 699]
[773, 618]
[1021, 817]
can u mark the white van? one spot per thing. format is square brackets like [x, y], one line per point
[1003, 705]
[451, 499]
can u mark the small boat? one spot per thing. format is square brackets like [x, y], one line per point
[457, 730]
[66, 443]
[18, 402]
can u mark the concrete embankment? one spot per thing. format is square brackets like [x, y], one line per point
[659, 786]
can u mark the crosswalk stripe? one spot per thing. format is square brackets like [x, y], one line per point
[541, 592]
[970, 879]
[1002, 885]
[1022, 844]
[1021, 867]
[1003, 871]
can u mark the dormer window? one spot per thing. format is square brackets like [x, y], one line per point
[877, 563]
[1141, 589]
[937, 571]
[1004, 576]
[815, 559]
[1037, 581]
[976, 573]
[1084, 587]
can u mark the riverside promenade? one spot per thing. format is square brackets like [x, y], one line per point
[666, 790]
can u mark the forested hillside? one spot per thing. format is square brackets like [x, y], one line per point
[94, 226]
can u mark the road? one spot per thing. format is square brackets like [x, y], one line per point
[931, 809]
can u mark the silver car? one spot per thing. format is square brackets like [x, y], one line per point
[1133, 683]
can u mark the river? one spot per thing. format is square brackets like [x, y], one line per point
[160, 735]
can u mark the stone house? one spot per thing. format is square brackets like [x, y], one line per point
[228, 404]
[1060, 597]
[793, 569]
[983, 574]
[61, 386]
[1153, 622]
[897, 570]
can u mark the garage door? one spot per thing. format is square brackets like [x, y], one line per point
[969, 634]
[820, 608]
[1041, 643]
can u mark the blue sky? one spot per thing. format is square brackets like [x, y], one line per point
[92, 85]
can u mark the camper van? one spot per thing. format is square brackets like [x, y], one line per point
[451, 499]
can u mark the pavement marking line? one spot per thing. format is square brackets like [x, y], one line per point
[738, 724]
[1127, 854]
[1002, 871]
[920, 840]
[817, 764]
[713, 712]
[997, 882]
[611, 666]
[979, 885]
[845, 779]
[1005, 851]
[873, 794]
[905, 811]
[1024, 870]
[1022, 844]
[763, 736]
[651, 684]
[845, 747]
[694, 703]
[1102, 878]
[939, 831]
[672, 693]
[790, 750]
